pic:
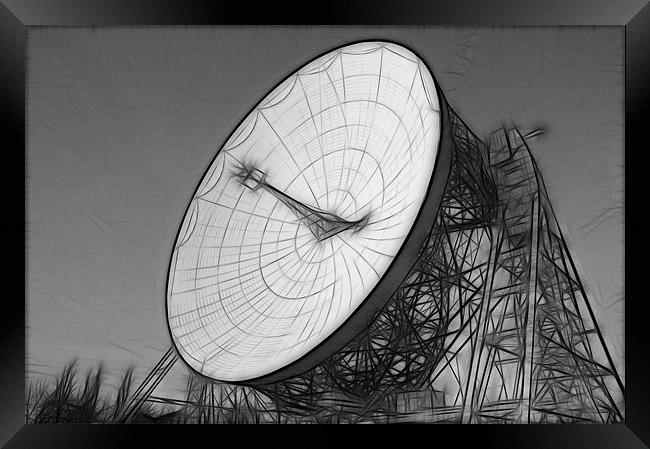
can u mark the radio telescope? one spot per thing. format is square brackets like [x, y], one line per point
[355, 253]
[309, 216]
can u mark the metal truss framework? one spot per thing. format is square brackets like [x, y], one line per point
[492, 324]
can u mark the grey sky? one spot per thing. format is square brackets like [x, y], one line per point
[122, 122]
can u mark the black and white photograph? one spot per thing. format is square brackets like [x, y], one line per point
[332, 224]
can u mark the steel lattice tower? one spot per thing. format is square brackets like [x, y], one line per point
[492, 323]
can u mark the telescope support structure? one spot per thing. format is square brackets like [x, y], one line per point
[491, 325]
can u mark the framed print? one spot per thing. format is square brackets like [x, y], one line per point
[382, 214]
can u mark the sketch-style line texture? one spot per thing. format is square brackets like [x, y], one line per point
[355, 253]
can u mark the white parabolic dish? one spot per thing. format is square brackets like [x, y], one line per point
[250, 288]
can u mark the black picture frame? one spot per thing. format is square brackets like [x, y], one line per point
[16, 16]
